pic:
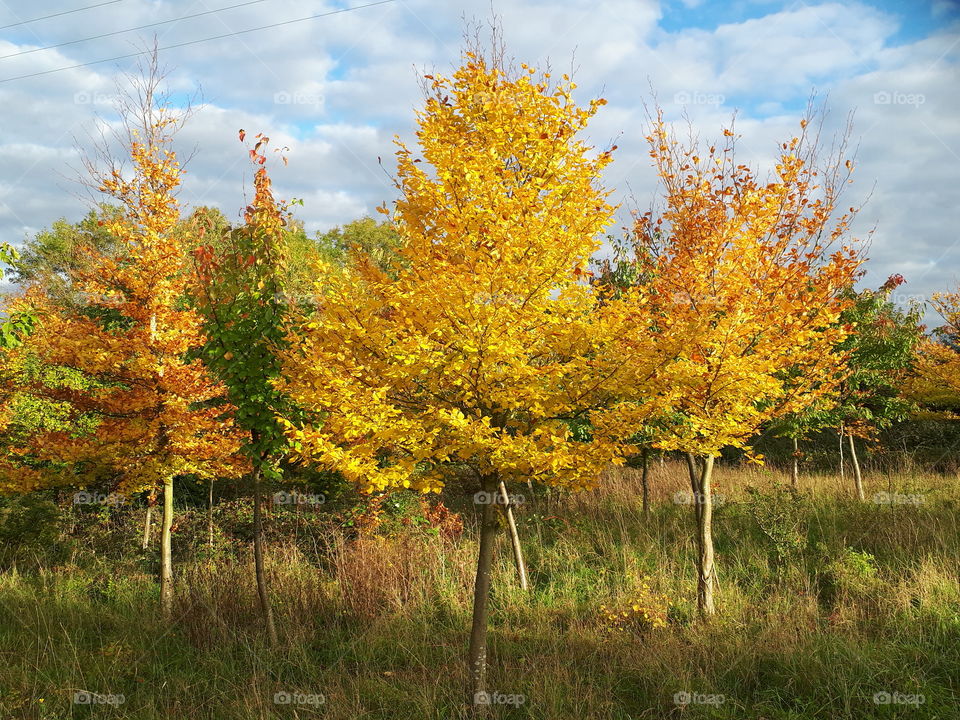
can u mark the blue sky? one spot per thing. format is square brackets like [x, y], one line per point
[337, 88]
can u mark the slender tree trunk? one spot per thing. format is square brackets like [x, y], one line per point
[662, 461]
[857, 477]
[514, 538]
[210, 514]
[842, 476]
[701, 475]
[795, 466]
[166, 547]
[644, 477]
[477, 656]
[258, 561]
[694, 474]
[705, 572]
[71, 513]
[147, 522]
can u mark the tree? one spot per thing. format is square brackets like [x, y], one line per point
[750, 274]
[18, 318]
[880, 349]
[239, 293]
[378, 241]
[938, 358]
[52, 257]
[617, 276]
[155, 405]
[479, 342]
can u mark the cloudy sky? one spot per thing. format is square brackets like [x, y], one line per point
[336, 89]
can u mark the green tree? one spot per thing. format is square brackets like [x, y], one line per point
[880, 349]
[239, 291]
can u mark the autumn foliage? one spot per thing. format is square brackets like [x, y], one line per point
[153, 404]
[482, 340]
[751, 274]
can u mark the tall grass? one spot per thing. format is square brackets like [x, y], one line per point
[866, 601]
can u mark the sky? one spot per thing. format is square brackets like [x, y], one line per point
[339, 87]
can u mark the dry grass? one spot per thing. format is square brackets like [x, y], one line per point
[377, 624]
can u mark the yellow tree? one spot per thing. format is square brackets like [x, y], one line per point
[938, 363]
[479, 341]
[750, 273]
[155, 404]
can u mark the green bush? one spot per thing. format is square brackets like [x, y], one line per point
[30, 525]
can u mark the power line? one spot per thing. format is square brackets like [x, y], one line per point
[194, 42]
[65, 12]
[139, 27]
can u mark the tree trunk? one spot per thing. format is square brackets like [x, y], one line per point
[857, 477]
[146, 524]
[694, 474]
[662, 461]
[705, 574]
[477, 656]
[842, 477]
[258, 561]
[514, 538]
[644, 477]
[210, 515]
[166, 554]
[703, 502]
[795, 466]
[71, 514]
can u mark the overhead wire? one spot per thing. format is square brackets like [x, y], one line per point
[195, 42]
[58, 14]
[139, 27]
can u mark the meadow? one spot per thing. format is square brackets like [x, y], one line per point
[828, 607]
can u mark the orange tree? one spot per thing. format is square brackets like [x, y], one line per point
[478, 344]
[750, 273]
[134, 343]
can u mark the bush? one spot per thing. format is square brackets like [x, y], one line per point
[780, 514]
[29, 524]
[644, 610]
[849, 575]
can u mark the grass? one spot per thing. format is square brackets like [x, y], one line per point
[861, 599]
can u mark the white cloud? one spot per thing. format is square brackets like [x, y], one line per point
[337, 88]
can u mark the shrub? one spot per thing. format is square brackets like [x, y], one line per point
[643, 611]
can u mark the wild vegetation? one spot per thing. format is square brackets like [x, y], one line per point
[341, 428]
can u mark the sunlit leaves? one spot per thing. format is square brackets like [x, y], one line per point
[479, 340]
